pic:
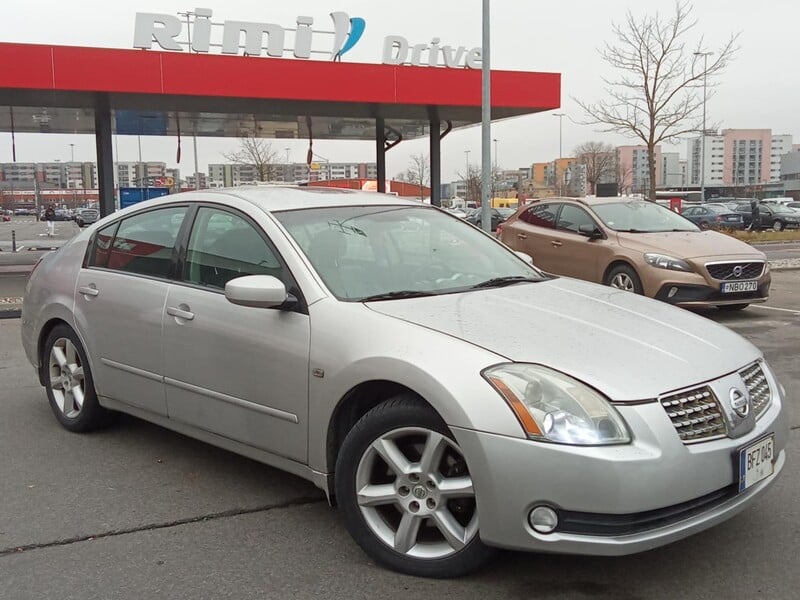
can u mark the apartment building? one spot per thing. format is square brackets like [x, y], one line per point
[634, 170]
[231, 175]
[738, 157]
[55, 174]
[136, 174]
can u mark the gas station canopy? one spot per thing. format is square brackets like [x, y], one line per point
[53, 89]
[69, 89]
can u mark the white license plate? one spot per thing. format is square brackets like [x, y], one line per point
[732, 287]
[756, 462]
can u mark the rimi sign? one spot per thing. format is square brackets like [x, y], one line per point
[256, 38]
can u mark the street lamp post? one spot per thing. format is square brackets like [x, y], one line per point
[560, 151]
[486, 120]
[466, 177]
[72, 153]
[705, 56]
[494, 168]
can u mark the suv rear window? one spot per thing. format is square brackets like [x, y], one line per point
[541, 215]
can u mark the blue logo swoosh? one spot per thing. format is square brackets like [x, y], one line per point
[357, 27]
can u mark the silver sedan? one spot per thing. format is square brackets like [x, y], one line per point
[450, 396]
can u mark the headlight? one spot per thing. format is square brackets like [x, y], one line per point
[554, 407]
[662, 261]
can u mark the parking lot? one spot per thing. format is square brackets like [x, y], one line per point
[140, 512]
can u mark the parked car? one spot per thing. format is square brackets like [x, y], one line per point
[640, 247]
[86, 216]
[476, 217]
[714, 216]
[772, 216]
[421, 375]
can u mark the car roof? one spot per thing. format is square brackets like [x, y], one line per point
[591, 201]
[273, 198]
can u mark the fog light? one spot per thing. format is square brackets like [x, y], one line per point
[543, 519]
[672, 292]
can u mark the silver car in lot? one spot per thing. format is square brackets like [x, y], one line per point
[448, 395]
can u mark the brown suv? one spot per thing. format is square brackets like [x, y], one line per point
[641, 247]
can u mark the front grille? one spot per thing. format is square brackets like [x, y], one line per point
[696, 414]
[725, 271]
[758, 388]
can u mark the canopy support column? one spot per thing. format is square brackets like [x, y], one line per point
[436, 161]
[380, 151]
[105, 155]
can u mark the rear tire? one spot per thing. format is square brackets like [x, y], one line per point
[705, 226]
[388, 480]
[624, 277]
[69, 383]
[732, 307]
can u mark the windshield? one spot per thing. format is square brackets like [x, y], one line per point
[637, 216]
[362, 252]
[781, 208]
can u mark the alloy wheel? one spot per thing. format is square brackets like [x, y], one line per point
[66, 377]
[621, 281]
[415, 493]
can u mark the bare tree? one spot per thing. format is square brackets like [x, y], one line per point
[257, 153]
[658, 93]
[624, 177]
[419, 173]
[600, 161]
[474, 183]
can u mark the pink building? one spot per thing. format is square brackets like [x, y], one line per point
[747, 156]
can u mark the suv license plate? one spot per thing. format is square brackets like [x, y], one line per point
[756, 462]
[739, 286]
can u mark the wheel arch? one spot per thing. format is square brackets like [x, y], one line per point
[618, 262]
[358, 401]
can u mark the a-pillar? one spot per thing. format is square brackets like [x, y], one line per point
[105, 155]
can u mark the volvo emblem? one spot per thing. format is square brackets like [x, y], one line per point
[739, 403]
[738, 270]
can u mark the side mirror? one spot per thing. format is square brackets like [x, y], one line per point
[258, 291]
[590, 231]
[526, 257]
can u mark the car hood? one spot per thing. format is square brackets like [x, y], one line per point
[689, 244]
[627, 346]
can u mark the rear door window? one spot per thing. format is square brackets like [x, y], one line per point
[541, 215]
[145, 243]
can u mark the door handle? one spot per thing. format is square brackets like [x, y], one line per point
[556, 243]
[522, 236]
[180, 313]
[89, 290]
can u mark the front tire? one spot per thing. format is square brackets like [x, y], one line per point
[624, 277]
[406, 493]
[69, 383]
[778, 226]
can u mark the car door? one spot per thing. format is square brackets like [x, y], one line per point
[692, 213]
[119, 302]
[577, 255]
[236, 371]
[531, 233]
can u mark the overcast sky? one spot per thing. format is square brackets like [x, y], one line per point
[761, 89]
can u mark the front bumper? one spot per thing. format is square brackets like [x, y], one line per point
[668, 490]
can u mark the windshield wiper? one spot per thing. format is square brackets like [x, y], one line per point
[398, 295]
[504, 281]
